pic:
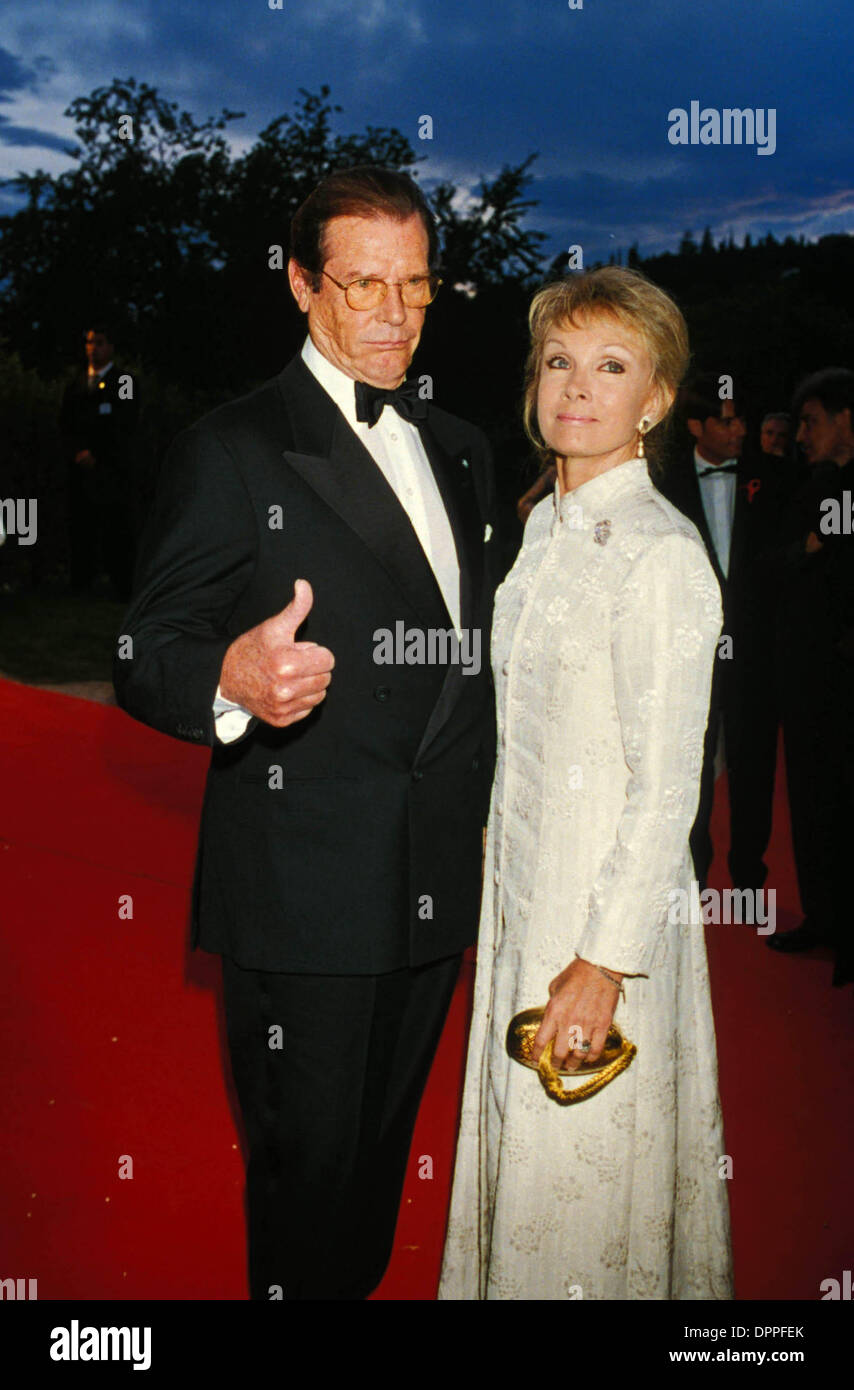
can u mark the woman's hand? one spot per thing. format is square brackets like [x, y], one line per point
[580, 1008]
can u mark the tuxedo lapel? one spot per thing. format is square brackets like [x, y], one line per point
[332, 461]
[690, 501]
[452, 472]
[740, 542]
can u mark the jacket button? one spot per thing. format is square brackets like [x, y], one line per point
[382, 693]
[416, 776]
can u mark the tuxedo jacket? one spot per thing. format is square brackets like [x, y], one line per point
[761, 490]
[351, 841]
[103, 422]
[815, 619]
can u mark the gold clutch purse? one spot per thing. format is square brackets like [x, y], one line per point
[616, 1056]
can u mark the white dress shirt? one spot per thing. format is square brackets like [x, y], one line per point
[395, 446]
[717, 491]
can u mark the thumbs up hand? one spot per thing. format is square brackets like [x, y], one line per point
[274, 677]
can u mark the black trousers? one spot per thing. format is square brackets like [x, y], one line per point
[750, 721]
[751, 725]
[818, 734]
[100, 531]
[329, 1104]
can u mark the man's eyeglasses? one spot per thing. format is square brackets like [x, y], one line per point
[416, 293]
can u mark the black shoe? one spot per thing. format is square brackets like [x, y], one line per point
[801, 938]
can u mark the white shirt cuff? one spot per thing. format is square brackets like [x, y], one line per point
[231, 720]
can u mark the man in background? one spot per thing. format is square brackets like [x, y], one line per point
[98, 421]
[734, 505]
[816, 662]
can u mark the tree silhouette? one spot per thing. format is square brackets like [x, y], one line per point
[487, 243]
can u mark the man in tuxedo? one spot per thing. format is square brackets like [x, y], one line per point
[97, 421]
[734, 505]
[339, 862]
[815, 636]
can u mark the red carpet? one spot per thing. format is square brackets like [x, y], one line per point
[109, 1024]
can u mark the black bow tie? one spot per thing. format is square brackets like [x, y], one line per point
[721, 468]
[370, 401]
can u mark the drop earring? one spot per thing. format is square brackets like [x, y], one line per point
[642, 429]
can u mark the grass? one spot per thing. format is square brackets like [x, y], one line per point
[58, 637]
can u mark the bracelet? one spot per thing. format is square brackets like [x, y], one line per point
[609, 976]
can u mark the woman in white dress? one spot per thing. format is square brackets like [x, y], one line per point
[604, 641]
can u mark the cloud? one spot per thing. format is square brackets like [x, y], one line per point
[79, 22]
[370, 16]
[13, 74]
[25, 137]
[28, 127]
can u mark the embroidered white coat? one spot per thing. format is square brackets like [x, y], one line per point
[603, 646]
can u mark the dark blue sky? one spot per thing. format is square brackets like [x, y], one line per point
[589, 89]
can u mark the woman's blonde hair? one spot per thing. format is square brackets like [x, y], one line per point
[637, 304]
